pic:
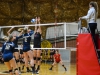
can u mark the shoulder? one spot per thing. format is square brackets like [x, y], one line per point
[4, 43]
[54, 54]
[91, 10]
[25, 34]
[11, 43]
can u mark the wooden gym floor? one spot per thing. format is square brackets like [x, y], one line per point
[57, 70]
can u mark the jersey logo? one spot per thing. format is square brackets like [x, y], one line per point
[7, 46]
[25, 37]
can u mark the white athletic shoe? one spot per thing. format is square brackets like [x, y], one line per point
[19, 73]
[37, 72]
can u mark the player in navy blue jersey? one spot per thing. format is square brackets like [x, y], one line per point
[15, 51]
[37, 44]
[7, 50]
[26, 48]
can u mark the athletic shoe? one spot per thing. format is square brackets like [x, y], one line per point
[33, 72]
[19, 72]
[50, 69]
[29, 70]
[22, 67]
[65, 69]
[37, 71]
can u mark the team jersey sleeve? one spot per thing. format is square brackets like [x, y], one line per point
[31, 32]
[21, 36]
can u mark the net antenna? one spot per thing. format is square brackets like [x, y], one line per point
[55, 10]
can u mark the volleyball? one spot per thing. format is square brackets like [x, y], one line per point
[33, 20]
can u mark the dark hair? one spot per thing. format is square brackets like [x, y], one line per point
[94, 4]
[91, 3]
[57, 50]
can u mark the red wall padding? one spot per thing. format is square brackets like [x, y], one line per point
[87, 61]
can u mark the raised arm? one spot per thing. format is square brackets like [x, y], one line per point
[39, 25]
[35, 25]
[20, 33]
[9, 30]
[31, 32]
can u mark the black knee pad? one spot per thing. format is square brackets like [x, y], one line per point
[23, 62]
[17, 60]
[15, 69]
[10, 71]
[63, 65]
[34, 58]
[38, 58]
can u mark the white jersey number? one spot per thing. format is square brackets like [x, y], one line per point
[7, 47]
[25, 39]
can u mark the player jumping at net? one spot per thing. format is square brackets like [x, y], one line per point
[26, 48]
[57, 59]
[15, 51]
[37, 44]
[7, 50]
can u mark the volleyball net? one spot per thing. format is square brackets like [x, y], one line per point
[54, 35]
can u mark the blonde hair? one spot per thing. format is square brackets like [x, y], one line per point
[5, 38]
[25, 30]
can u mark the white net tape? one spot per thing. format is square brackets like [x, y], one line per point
[62, 30]
[49, 24]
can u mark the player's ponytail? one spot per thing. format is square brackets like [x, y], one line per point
[96, 8]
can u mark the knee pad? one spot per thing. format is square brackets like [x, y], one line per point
[23, 62]
[38, 58]
[63, 65]
[10, 70]
[15, 69]
[17, 60]
[34, 58]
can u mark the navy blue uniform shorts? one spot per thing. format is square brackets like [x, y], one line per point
[15, 50]
[37, 46]
[7, 57]
[26, 49]
[21, 51]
